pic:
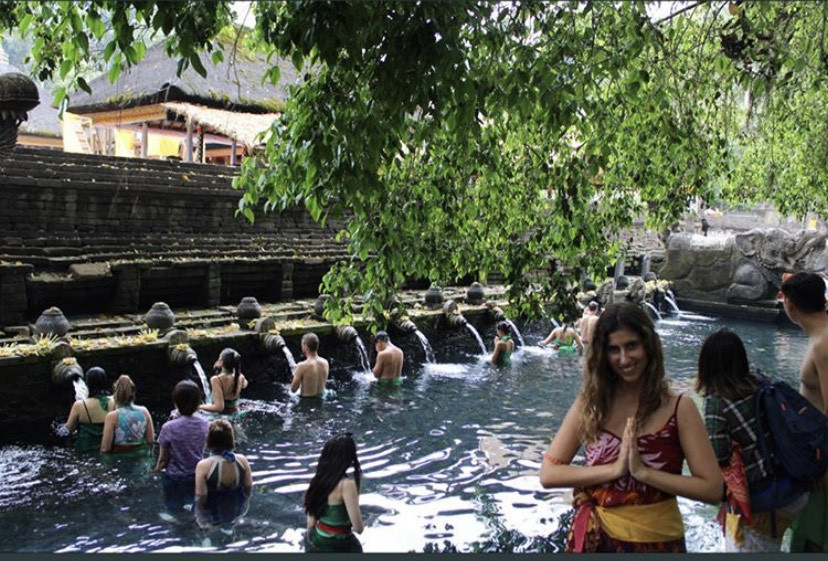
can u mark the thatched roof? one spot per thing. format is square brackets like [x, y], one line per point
[43, 119]
[234, 84]
[244, 127]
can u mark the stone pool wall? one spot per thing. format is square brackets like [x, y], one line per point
[94, 234]
[35, 402]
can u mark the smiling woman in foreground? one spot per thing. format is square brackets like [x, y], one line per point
[636, 434]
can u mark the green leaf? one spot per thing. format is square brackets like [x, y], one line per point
[109, 49]
[114, 71]
[84, 86]
[218, 57]
[65, 67]
[298, 60]
[197, 66]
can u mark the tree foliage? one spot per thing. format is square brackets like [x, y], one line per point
[462, 138]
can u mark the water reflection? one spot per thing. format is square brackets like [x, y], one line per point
[450, 461]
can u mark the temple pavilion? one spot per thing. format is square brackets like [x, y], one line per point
[150, 112]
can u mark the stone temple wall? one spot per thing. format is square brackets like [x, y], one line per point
[93, 234]
[741, 268]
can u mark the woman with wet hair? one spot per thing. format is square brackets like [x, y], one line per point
[227, 384]
[223, 481]
[503, 345]
[88, 415]
[729, 390]
[129, 427]
[636, 434]
[332, 499]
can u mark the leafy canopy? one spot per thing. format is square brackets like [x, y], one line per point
[456, 139]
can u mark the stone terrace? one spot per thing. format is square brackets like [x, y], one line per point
[94, 234]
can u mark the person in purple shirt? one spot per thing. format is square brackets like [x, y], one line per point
[181, 442]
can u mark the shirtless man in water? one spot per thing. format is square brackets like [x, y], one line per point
[388, 368]
[312, 373]
[588, 322]
[804, 301]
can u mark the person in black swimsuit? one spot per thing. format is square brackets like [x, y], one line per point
[223, 481]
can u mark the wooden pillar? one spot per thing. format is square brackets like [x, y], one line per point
[144, 139]
[233, 153]
[188, 152]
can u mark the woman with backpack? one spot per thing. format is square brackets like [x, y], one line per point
[729, 390]
[636, 434]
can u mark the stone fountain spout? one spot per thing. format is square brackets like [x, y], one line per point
[453, 315]
[497, 314]
[179, 351]
[271, 341]
[407, 326]
[346, 333]
[66, 371]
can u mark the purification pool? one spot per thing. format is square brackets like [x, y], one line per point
[450, 461]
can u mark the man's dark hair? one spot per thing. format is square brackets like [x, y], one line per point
[311, 341]
[382, 336]
[187, 397]
[806, 291]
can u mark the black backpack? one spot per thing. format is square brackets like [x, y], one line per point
[800, 441]
[799, 431]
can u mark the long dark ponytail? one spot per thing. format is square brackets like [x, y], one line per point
[231, 361]
[338, 454]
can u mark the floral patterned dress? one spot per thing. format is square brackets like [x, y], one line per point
[660, 450]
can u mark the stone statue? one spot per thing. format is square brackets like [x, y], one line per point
[744, 267]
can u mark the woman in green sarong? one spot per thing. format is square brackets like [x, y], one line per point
[87, 415]
[503, 345]
[332, 499]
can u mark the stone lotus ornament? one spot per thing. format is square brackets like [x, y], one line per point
[52, 322]
[433, 296]
[160, 317]
[18, 95]
[248, 310]
[475, 293]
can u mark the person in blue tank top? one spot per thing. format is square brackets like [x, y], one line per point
[129, 427]
[332, 499]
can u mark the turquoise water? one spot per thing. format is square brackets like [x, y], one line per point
[450, 461]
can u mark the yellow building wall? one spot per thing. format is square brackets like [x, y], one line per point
[162, 146]
[71, 125]
[125, 143]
